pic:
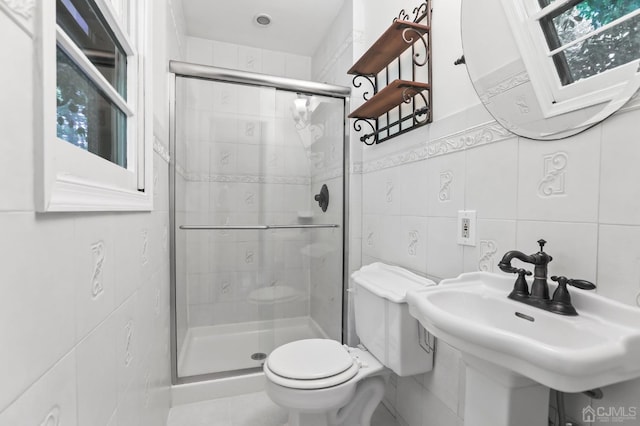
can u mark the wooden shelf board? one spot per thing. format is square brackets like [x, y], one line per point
[387, 48]
[387, 99]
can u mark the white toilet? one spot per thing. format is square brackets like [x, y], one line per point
[323, 383]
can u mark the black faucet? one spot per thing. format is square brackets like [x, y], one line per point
[540, 260]
[539, 296]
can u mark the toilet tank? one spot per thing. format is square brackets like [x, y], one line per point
[383, 322]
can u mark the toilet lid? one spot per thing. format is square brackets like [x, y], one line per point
[310, 359]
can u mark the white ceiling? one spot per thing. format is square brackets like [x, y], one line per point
[297, 26]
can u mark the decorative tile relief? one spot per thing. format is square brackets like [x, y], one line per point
[328, 174]
[52, 418]
[414, 239]
[370, 237]
[225, 287]
[20, 12]
[481, 135]
[504, 86]
[488, 249]
[249, 198]
[272, 160]
[98, 251]
[476, 136]
[522, 104]
[251, 63]
[317, 160]
[225, 159]
[144, 252]
[128, 336]
[389, 192]
[446, 179]
[553, 180]
[415, 153]
[250, 129]
[225, 98]
[161, 149]
[289, 180]
[249, 257]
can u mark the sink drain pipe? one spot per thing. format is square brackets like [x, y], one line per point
[562, 415]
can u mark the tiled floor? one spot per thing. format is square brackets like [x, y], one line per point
[255, 409]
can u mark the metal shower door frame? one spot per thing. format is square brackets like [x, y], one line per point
[224, 75]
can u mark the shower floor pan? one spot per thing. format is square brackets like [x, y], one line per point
[221, 348]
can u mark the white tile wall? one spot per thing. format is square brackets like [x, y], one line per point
[559, 180]
[84, 312]
[580, 194]
[245, 58]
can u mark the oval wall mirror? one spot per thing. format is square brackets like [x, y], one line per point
[548, 69]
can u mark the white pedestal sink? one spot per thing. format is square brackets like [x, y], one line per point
[515, 352]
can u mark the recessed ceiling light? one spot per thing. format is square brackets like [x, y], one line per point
[263, 19]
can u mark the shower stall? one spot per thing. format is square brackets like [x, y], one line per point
[257, 191]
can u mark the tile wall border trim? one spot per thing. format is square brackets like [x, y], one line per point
[483, 134]
[289, 180]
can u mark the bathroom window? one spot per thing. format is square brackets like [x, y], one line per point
[578, 53]
[96, 134]
[589, 37]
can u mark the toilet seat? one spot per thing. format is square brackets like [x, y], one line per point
[311, 364]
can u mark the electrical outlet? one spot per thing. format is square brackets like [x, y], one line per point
[466, 228]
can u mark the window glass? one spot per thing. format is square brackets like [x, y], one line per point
[85, 116]
[608, 49]
[84, 24]
[611, 48]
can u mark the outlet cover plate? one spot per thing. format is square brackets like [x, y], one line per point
[466, 228]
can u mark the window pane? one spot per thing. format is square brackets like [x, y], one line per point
[580, 19]
[85, 116]
[617, 46]
[83, 23]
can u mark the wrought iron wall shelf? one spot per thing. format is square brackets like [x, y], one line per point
[388, 47]
[396, 93]
[408, 101]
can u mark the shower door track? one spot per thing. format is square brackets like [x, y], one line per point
[253, 227]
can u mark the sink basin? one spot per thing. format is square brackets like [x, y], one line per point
[472, 313]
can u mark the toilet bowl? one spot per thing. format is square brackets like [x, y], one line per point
[323, 383]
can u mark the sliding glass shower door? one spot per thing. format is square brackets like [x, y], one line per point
[258, 263]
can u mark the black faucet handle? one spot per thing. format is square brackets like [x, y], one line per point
[561, 301]
[581, 284]
[522, 272]
[520, 288]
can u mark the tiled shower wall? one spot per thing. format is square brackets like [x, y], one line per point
[580, 194]
[84, 312]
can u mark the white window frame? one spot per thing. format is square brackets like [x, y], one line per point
[556, 99]
[69, 178]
